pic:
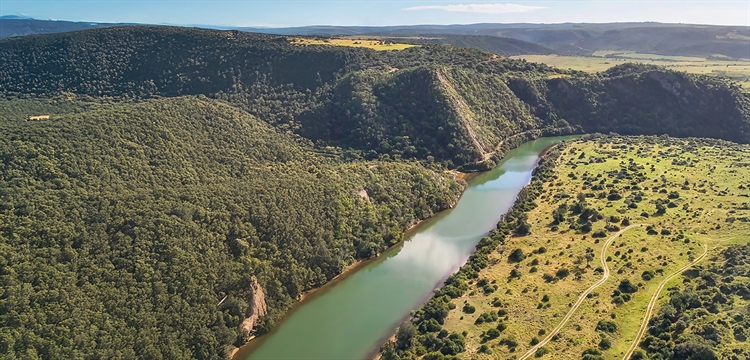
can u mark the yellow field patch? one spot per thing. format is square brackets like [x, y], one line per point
[375, 44]
[736, 70]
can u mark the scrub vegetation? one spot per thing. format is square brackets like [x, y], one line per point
[599, 186]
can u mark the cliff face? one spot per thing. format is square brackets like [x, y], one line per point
[255, 311]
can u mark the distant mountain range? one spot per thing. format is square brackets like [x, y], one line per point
[13, 25]
[567, 38]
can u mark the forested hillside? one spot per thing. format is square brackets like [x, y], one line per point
[494, 44]
[138, 229]
[449, 103]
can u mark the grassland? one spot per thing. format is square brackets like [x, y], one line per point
[375, 44]
[687, 193]
[738, 70]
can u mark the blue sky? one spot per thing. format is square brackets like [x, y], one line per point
[359, 12]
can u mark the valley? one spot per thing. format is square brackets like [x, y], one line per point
[174, 192]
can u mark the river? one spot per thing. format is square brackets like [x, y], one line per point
[352, 316]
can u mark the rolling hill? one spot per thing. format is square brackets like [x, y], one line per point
[153, 229]
[567, 38]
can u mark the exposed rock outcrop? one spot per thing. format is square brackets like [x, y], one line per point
[255, 311]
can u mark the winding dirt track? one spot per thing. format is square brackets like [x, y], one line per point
[655, 298]
[603, 257]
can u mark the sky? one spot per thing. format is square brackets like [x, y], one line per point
[281, 13]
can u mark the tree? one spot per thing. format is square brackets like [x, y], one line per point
[516, 256]
[405, 336]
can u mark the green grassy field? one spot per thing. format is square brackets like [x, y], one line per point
[374, 44]
[700, 185]
[736, 70]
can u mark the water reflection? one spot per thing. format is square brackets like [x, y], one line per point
[349, 319]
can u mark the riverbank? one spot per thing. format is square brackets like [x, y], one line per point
[349, 318]
[555, 251]
[440, 305]
[248, 346]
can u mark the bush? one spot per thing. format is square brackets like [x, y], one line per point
[469, 309]
[605, 344]
[484, 349]
[492, 333]
[592, 354]
[541, 352]
[562, 273]
[509, 341]
[647, 275]
[599, 234]
[627, 287]
[606, 326]
[516, 255]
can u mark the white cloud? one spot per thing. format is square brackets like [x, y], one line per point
[480, 8]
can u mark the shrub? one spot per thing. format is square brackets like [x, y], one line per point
[492, 333]
[647, 275]
[516, 255]
[592, 354]
[627, 287]
[509, 341]
[469, 309]
[541, 352]
[599, 234]
[606, 326]
[562, 272]
[605, 344]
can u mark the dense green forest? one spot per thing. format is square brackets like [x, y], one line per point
[707, 316]
[124, 226]
[179, 165]
[453, 104]
[494, 44]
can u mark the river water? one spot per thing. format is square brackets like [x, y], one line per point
[352, 316]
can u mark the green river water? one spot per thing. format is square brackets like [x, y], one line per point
[352, 316]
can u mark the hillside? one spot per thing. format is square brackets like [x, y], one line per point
[574, 38]
[11, 26]
[494, 44]
[505, 39]
[151, 229]
[325, 92]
